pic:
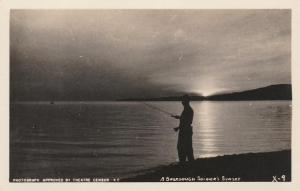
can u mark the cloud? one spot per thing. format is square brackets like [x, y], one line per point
[109, 54]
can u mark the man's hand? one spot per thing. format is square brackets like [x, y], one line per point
[176, 129]
[175, 116]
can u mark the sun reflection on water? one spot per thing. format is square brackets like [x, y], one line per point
[205, 134]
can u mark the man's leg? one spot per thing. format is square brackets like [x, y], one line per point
[180, 148]
[181, 155]
[190, 152]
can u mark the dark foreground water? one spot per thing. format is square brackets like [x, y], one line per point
[120, 139]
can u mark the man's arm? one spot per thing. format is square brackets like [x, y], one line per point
[175, 116]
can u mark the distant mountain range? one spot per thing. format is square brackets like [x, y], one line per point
[272, 92]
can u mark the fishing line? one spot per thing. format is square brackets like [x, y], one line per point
[158, 109]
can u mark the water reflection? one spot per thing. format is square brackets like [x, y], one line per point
[205, 134]
[238, 127]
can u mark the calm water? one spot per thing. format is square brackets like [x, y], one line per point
[119, 139]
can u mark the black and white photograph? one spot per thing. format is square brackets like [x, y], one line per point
[150, 95]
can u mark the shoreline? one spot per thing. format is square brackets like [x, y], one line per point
[248, 167]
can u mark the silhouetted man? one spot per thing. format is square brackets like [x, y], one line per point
[185, 143]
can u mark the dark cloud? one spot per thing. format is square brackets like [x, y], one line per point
[112, 54]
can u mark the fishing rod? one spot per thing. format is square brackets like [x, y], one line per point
[159, 109]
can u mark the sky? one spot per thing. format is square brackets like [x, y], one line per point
[117, 54]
